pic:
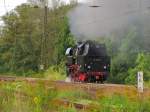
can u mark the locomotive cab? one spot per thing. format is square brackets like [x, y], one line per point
[69, 54]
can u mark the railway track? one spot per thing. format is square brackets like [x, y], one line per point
[14, 78]
[85, 86]
[63, 83]
[107, 88]
[7, 78]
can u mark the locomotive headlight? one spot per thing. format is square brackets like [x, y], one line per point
[105, 67]
[89, 67]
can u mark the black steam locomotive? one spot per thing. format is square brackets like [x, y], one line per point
[87, 62]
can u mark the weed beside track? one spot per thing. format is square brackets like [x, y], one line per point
[40, 95]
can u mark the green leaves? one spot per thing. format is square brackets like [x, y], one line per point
[20, 47]
[142, 64]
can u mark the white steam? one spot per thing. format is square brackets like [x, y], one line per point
[111, 16]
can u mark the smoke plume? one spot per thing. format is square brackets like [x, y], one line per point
[110, 17]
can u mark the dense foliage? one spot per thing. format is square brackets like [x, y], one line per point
[20, 42]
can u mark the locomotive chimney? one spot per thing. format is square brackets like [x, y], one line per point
[94, 3]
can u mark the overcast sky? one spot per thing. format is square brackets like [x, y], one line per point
[11, 4]
[7, 5]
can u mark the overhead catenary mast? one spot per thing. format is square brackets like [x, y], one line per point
[44, 60]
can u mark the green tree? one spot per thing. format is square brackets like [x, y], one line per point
[142, 64]
[20, 43]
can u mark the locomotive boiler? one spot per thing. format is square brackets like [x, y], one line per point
[87, 62]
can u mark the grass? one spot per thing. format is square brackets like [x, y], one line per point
[119, 103]
[73, 95]
[28, 97]
[55, 73]
[37, 97]
[52, 73]
[147, 84]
